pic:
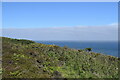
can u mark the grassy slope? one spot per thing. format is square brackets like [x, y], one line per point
[27, 59]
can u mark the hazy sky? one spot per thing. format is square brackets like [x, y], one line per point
[61, 21]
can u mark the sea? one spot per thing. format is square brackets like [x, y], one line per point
[103, 47]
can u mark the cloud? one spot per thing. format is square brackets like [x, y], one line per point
[113, 24]
[81, 33]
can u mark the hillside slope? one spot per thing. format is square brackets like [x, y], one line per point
[27, 59]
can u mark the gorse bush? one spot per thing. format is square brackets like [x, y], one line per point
[80, 50]
[88, 49]
[27, 59]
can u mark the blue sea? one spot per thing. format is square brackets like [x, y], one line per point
[108, 48]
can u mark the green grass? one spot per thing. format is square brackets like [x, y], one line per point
[27, 59]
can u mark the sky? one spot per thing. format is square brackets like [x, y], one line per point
[60, 0]
[61, 20]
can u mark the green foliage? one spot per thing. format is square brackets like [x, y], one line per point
[80, 50]
[0, 71]
[88, 49]
[27, 59]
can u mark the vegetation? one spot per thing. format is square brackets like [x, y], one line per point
[88, 49]
[27, 59]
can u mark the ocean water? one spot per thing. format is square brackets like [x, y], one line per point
[108, 48]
